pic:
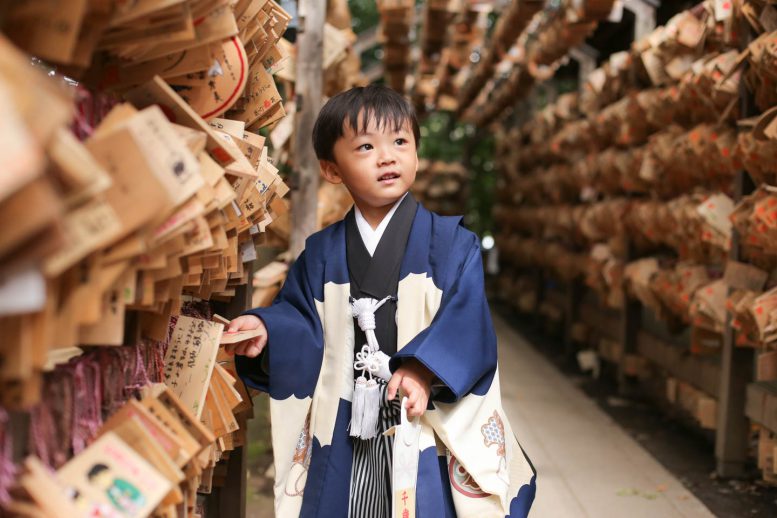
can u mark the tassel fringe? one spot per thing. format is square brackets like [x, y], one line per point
[357, 407]
[369, 426]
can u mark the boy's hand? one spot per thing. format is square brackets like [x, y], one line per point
[253, 347]
[415, 380]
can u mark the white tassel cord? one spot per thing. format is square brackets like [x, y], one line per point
[371, 410]
[365, 408]
[357, 408]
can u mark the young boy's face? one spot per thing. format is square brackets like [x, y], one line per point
[377, 166]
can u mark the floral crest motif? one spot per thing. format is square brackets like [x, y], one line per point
[302, 447]
[494, 433]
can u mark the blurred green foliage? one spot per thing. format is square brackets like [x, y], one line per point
[364, 14]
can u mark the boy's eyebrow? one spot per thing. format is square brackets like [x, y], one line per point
[371, 134]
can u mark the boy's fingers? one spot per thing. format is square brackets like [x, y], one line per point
[248, 349]
[416, 410]
[422, 404]
[244, 322]
[234, 325]
[245, 345]
[393, 385]
[412, 397]
[242, 347]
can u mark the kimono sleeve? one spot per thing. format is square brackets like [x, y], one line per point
[291, 360]
[459, 346]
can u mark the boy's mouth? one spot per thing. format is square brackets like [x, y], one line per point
[388, 176]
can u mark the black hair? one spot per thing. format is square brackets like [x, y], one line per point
[96, 470]
[377, 102]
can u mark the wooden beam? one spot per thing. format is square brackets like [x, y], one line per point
[701, 372]
[304, 198]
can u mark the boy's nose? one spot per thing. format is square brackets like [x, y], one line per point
[385, 159]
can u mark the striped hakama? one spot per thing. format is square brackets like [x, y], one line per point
[371, 470]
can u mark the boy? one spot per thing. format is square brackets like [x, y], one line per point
[390, 300]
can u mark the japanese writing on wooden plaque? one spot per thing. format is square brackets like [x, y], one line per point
[190, 358]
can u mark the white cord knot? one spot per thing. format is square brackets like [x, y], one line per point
[367, 361]
[366, 321]
[363, 310]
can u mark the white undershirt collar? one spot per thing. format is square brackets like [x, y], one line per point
[371, 237]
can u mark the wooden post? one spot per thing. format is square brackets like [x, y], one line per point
[232, 497]
[736, 363]
[736, 371]
[631, 321]
[308, 94]
[230, 500]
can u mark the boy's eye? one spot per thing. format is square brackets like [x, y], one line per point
[364, 147]
[400, 141]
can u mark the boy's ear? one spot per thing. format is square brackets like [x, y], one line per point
[330, 172]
